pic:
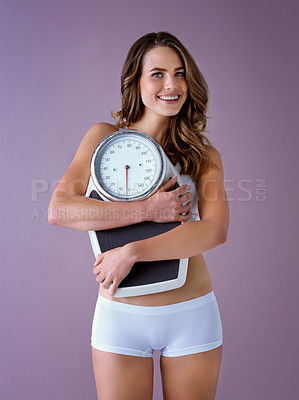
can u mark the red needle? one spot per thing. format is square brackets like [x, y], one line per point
[127, 167]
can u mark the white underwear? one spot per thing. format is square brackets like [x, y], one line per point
[188, 327]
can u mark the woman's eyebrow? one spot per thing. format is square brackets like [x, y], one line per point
[163, 69]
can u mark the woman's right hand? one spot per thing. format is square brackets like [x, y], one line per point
[167, 206]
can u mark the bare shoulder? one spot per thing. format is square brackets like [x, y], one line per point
[216, 171]
[95, 134]
[103, 128]
[79, 169]
[98, 131]
[213, 202]
[214, 155]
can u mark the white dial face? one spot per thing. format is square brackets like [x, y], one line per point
[128, 166]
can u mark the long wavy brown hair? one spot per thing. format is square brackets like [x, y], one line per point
[183, 139]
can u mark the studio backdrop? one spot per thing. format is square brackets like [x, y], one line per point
[60, 74]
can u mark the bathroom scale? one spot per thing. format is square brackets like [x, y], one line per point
[129, 165]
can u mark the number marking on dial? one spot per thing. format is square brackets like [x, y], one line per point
[142, 166]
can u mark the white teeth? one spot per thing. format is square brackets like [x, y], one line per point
[168, 97]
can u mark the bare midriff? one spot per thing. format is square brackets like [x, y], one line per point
[198, 283]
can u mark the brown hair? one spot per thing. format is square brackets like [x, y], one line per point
[183, 139]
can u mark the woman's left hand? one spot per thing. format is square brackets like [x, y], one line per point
[112, 266]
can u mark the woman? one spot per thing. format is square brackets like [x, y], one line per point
[164, 95]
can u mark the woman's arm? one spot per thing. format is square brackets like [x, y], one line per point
[70, 208]
[184, 241]
[193, 238]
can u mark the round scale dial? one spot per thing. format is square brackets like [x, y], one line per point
[128, 165]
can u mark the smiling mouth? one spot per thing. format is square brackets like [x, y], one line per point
[168, 98]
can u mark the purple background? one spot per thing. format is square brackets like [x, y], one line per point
[60, 68]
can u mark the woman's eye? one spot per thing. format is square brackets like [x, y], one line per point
[160, 75]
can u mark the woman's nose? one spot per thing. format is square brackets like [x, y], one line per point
[169, 82]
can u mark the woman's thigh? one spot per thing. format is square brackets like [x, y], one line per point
[192, 377]
[122, 377]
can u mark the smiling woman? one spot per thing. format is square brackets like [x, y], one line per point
[182, 136]
[163, 89]
[164, 95]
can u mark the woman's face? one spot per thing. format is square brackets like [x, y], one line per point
[163, 87]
